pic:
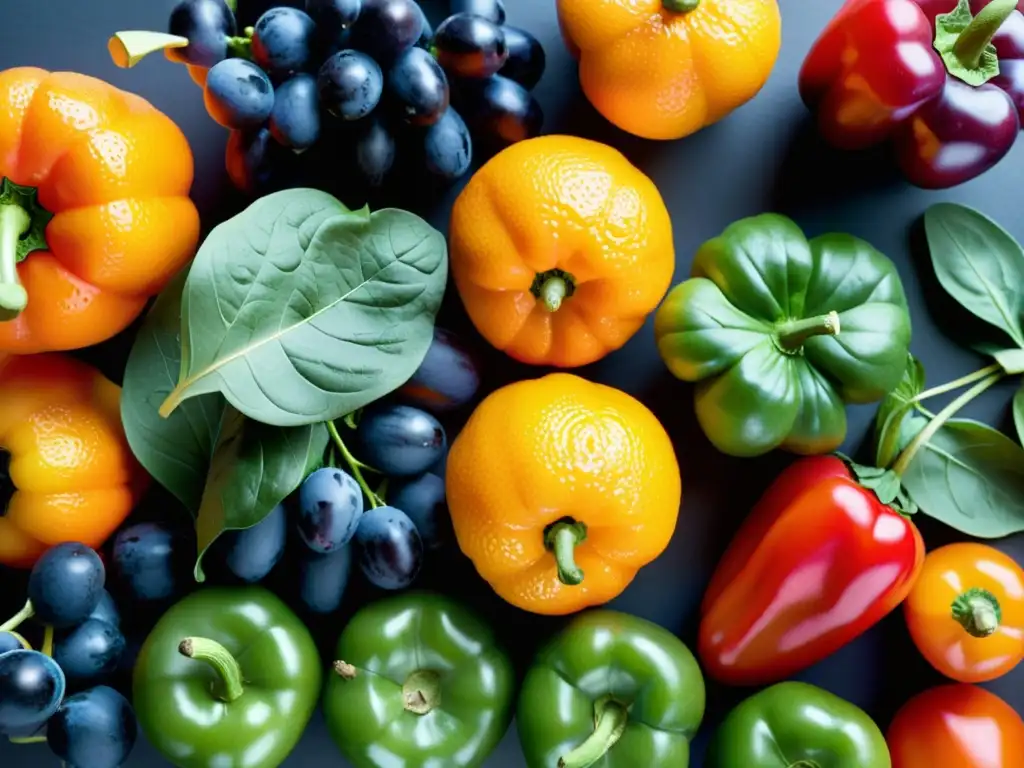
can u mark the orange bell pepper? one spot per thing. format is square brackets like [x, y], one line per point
[66, 471]
[663, 69]
[94, 209]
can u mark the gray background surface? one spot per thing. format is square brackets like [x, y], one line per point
[765, 157]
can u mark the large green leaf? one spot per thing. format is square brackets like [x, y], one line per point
[176, 450]
[300, 311]
[254, 467]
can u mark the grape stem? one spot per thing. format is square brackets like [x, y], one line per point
[355, 466]
[47, 649]
[26, 613]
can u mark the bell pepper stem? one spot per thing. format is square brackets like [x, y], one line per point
[680, 6]
[552, 292]
[26, 613]
[220, 659]
[14, 222]
[971, 44]
[129, 47]
[421, 692]
[345, 671]
[610, 719]
[561, 538]
[978, 612]
[792, 334]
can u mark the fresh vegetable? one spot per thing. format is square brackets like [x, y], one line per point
[781, 332]
[421, 679]
[641, 61]
[470, 46]
[153, 561]
[64, 587]
[560, 490]
[66, 471]
[818, 524]
[400, 441]
[251, 553]
[423, 499]
[323, 579]
[89, 652]
[84, 242]
[31, 688]
[956, 726]
[96, 727]
[330, 507]
[447, 378]
[583, 259]
[938, 79]
[389, 548]
[966, 612]
[238, 94]
[793, 724]
[612, 690]
[230, 672]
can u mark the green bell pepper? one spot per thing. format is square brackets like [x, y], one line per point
[797, 725]
[418, 680]
[611, 690]
[228, 676]
[780, 333]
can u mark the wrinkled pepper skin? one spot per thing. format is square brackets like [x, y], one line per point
[100, 218]
[182, 703]
[613, 688]
[66, 471]
[797, 724]
[875, 75]
[780, 333]
[418, 680]
[817, 562]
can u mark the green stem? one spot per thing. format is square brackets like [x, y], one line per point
[552, 292]
[26, 613]
[14, 222]
[933, 426]
[421, 691]
[792, 334]
[610, 719]
[971, 43]
[220, 659]
[978, 612]
[130, 47]
[27, 739]
[963, 381]
[354, 465]
[561, 538]
[680, 6]
[47, 649]
[240, 47]
[232, 5]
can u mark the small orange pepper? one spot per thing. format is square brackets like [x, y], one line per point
[966, 612]
[66, 471]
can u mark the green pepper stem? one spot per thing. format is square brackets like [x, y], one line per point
[971, 44]
[680, 6]
[552, 292]
[355, 466]
[561, 538]
[129, 47]
[978, 612]
[26, 613]
[220, 659]
[344, 670]
[421, 691]
[792, 334]
[610, 719]
[14, 222]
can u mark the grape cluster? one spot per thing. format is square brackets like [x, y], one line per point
[366, 81]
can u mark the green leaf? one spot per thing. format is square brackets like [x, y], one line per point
[300, 311]
[175, 451]
[974, 60]
[1011, 360]
[892, 410]
[1018, 412]
[970, 477]
[255, 466]
[979, 264]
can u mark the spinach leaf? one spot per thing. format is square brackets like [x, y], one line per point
[1018, 412]
[254, 467]
[176, 450]
[893, 408]
[979, 264]
[1011, 360]
[300, 311]
[970, 477]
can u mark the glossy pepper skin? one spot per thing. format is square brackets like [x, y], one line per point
[66, 471]
[94, 209]
[966, 612]
[792, 722]
[903, 71]
[229, 675]
[418, 679]
[781, 332]
[611, 690]
[817, 562]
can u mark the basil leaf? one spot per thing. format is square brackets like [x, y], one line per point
[979, 264]
[1011, 360]
[176, 450]
[892, 410]
[254, 467]
[970, 477]
[1018, 412]
[300, 311]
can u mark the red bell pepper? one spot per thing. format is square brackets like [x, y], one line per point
[942, 80]
[819, 560]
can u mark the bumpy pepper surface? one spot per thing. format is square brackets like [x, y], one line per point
[942, 80]
[228, 675]
[781, 598]
[663, 69]
[780, 333]
[418, 680]
[66, 471]
[611, 690]
[94, 209]
[796, 724]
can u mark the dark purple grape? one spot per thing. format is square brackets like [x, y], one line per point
[257, 164]
[375, 150]
[295, 119]
[9, 642]
[399, 440]
[332, 17]
[238, 94]
[252, 553]
[386, 28]
[499, 111]
[447, 146]
[427, 33]
[423, 500]
[470, 46]
[283, 41]
[66, 584]
[526, 57]
[153, 561]
[323, 579]
[207, 24]
[389, 548]
[418, 86]
[350, 85]
[96, 728]
[106, 610]
[446, 379]
[90, 651]
[492, 10]
[31, 688]
[330, 505]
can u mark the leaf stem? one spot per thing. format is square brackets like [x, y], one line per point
[47, 649]
[26, 613]
[355, 466]
[963, 381]
[933, 426]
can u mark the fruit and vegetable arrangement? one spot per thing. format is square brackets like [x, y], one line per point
[244, 524]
